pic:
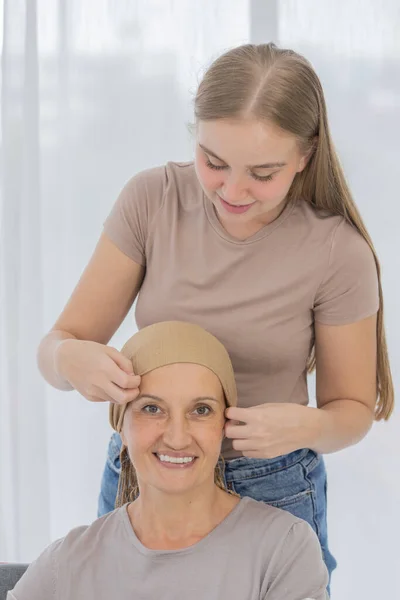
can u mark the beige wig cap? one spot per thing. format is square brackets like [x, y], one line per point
[173, 342]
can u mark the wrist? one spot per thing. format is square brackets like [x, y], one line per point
[316, 431]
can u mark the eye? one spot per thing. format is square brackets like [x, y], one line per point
[262, 178]
[150, 409]
[211, 165]
[203, 410]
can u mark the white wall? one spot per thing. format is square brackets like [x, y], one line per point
[114, 96]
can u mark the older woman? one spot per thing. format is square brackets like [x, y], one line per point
[177, 533]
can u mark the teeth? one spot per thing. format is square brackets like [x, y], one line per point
[172, 459]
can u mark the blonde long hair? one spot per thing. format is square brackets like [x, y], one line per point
[128, 485]
[265, 82]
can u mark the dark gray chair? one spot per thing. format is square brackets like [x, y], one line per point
[10, 573]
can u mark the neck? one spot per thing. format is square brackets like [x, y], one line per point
[173, 521]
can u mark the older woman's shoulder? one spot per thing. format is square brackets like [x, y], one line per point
[263, 522]
[261, 515]
[85, 540]
[288, 550]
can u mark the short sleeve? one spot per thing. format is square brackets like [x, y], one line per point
[300, 573]
[128, 223]
[39, 580]
[349, 291]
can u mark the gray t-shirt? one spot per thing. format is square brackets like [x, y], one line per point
[257, 552]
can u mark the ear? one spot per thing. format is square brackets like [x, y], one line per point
[307, 156]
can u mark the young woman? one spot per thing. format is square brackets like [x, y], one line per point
[260, 242]
[177, 533]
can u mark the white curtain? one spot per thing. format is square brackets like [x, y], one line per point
[24, 500]
[93, 91]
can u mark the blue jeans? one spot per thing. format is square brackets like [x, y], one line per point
[295, 482]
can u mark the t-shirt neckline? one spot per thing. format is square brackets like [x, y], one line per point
[262, 233]
[218, 530]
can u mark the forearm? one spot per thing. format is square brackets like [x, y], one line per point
[46, 356]
[339, 424]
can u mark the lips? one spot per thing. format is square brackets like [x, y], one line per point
[175, 465]
[235, 208]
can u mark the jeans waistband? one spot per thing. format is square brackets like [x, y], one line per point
[270, 465]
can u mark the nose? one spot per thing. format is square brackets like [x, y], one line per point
[233, 190]
[177, 435]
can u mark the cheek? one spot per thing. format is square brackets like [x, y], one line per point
[210, 437]
[277, 189]
[140, 436]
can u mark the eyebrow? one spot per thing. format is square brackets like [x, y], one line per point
[158, 399]
[264, 166]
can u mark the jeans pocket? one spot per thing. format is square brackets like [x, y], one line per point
[301, 503]
[284, 483]
[297, 501]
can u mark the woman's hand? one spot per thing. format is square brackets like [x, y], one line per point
[98, 372]
[272, 430]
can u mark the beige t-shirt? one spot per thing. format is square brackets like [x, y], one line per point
[257, 552]
[260, 296]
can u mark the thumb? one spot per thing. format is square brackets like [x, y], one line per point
[122, 361]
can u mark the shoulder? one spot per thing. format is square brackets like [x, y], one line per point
[335, 230]
[147, 191]
[344, 253]
[183, 185]
[288, 550]
[351, 258]
[80, 541]
[65, 557]
[163, 177]
[350, 244]
[81, 538]
[263, 517]
[279, 533]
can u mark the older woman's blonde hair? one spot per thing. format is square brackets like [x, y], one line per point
[128, 486]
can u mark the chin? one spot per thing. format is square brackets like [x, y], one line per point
[174, 489]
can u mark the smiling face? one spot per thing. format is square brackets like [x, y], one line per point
[174, 429]
[246, 168]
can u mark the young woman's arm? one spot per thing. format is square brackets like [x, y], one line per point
[96, 308]
[345, 383]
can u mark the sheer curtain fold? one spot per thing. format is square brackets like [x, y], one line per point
[81, 82]
[23, 459]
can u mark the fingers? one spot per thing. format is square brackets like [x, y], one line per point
[244, 445]
[120, 395]
[237, 414]
[99, 395]
[123, 380]
[122, 375]
[122, 361]
[237, 431]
